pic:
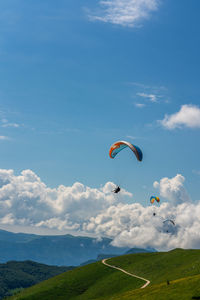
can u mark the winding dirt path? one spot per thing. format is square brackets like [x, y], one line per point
[114, 267]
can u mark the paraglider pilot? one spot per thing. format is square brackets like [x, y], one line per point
[116, 190]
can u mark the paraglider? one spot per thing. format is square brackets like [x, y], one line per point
[154, 198]
[120, 145]
[168, 220]
[116, 190]
[169, 226]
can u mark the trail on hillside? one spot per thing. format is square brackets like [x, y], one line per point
[114, 267]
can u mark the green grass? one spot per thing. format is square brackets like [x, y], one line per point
[181, 289]
[94, 281]
[99, 282]
[16, 275]
[161, 266]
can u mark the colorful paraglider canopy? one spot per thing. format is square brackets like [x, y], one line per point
[154, 198]
[120, 145]
[169, 221]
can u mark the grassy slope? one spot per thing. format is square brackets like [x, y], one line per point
[161, 266]
[181, 289]
[180, 267]
[17, 275]
[96, 281]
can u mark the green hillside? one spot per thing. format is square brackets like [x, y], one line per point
[181, 289]
[17, 275]
[94, 281]
[181, 268]
[161, 266]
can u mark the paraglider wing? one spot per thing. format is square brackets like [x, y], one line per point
[118, 146]
[169, 226]
[169, 221]
[158, 199]
[154, 198]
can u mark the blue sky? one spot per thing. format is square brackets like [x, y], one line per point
[76, 76]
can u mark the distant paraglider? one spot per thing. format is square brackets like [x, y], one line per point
[120, 145]
[169, 221]
[154, 198]
[116, 190]
[169, 226]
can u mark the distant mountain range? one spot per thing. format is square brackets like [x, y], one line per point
[60, 250]
[130, 251]
[140, 250]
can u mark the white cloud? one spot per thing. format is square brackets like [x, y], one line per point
[26, 201]
[59, 224]
[15, 125]
[151, 97]
[7, 219]
[155, 89]
[140, 105]
[125, 12]
[187, 116]
[134, 225]
[31, 203]
[131, 137]
[5, 124]
[173, 189]
[3, 137]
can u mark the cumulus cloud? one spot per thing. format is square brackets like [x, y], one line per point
[125, 12]
[26, 201]
[134, 225]
[173, 189]
[187, 116]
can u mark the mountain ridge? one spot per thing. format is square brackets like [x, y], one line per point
[53, 249]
